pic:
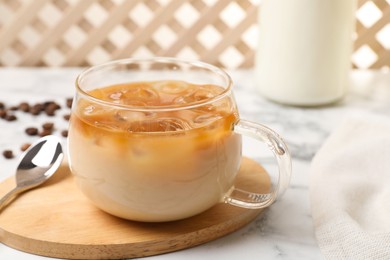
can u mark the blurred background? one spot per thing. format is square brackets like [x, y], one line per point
[224, 33]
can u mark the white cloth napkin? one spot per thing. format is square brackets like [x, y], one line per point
[350, 190]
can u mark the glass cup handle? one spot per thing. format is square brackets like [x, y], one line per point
[264, 134]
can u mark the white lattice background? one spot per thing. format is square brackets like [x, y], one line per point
[87, 32]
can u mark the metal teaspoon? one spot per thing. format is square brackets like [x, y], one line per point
[37, 164]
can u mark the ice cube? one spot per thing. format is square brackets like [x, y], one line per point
[116, 97]
[194, 95]
[96, 110]
[171, 87]
[172, 124]
[89, 110]
[202, 94]
[206, 119]
[129, 116]
[159, 125]
[187, 98]
[144, 94]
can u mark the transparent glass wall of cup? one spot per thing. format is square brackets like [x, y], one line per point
[160, 140]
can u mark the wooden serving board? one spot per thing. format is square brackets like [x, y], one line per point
[56, 220]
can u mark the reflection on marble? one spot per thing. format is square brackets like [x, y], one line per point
[285, 230]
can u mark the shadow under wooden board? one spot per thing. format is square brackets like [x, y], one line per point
[56, 220]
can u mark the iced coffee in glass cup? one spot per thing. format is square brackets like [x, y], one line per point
[160, 140]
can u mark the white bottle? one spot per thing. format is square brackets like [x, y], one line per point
[305, 47]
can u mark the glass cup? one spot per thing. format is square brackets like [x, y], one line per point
[160, 140]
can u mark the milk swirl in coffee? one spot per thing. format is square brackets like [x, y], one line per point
[132, 139]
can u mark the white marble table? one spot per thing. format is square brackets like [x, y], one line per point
[285, 231]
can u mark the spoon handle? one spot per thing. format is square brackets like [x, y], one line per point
[9, 197]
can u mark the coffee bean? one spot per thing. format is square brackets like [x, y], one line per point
[48, 126]
[50, 112]
[69, 102]
[8, 154]
[13, 108]
[45, 132]
[3, 113]
[50, 109]
[47, 103]
[36, 109]
[31, 131]
[2, 105]
[67, 117]
[25, 146]
[24, 106]
[52, 104]
[64, 133]
[10, 117]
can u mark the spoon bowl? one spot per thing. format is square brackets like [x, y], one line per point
[37, 164]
